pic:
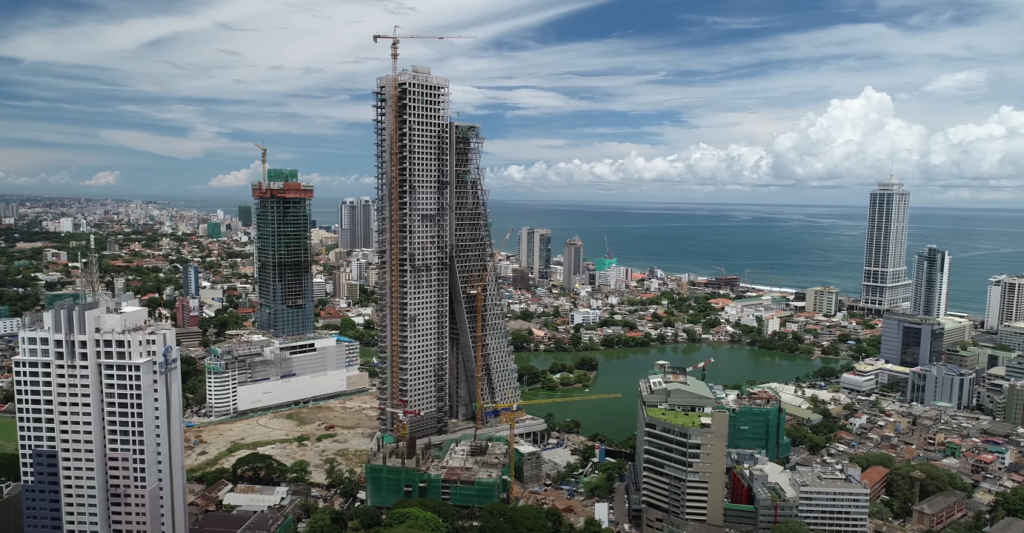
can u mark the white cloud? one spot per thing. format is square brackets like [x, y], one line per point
[239, 178]
[246, 176]
[41, 179]
[853, 143]
[959, 82]
[199, 143]
[102, 179]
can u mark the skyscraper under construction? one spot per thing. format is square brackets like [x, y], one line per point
[283, 253]
[433, 246]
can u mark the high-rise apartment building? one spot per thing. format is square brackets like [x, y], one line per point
[99, 417]
[885, 284]
[823, 300]
[681, 451]
[283, 253]
[572, 264]
[433, 245]
[67, 225]
[356, 217]
[911, 341]
[535, 253]
[190, 280]
[1005, 302]
[245, 215]
[930, 296]
[8, 210]
[213, 229]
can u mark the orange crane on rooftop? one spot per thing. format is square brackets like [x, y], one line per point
[393, 203]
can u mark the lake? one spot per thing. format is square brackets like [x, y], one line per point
[620, 370]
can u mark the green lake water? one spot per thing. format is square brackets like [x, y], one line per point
[620, 370]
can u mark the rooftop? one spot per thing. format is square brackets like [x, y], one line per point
[873, 475]
[1010, 524]
[939, 502]
[679, 418]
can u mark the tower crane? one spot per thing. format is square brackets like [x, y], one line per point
[722, 270]
[749, 272]
[263, 151]
[478, 290]
[403, 412]
[512, 415]
[394, 305]
[703, 366]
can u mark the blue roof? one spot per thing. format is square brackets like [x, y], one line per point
[343, 339]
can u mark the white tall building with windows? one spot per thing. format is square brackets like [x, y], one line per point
[885, 284]
[930, 296]
[355, 224]
[535, 253]
[1005, 302]
[99, 418]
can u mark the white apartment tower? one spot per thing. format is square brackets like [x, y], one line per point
[433, 243]
[930, 295]
[572, 264]
[823, 300]
[1005, 301]
[99, 417]
[885, 284]
[535, 252]
[356, 217]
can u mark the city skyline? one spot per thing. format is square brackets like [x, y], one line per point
[588, 121]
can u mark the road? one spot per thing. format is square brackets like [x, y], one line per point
[619, 505]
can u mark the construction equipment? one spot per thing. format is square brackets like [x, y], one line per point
[514, 413]
[478, 290]
[607, 251]
[747, 273]
[403, 412]
[263, 151]
[703, 366]
[719, 269]
[392, 100]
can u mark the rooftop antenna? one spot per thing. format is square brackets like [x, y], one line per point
[892, 169]
[263, 151]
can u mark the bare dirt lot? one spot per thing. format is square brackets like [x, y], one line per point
[354, 420]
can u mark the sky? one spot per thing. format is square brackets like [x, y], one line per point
[778, 101]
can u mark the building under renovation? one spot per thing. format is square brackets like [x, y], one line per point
[433, 245]
[464, 472]
[283, 253]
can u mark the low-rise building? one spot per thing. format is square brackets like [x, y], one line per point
[832, 500]
[938, 511]
[586, 317]
[823, 300]
[875, 478]
[941, 383]
[9, 326]
[1012, 335]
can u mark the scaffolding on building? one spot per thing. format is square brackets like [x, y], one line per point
[757, 421]
[463, 472]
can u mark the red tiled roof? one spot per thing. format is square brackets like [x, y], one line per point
[874, 475]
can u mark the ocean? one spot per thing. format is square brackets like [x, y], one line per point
[773, 245]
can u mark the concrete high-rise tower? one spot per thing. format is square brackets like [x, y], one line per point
[100, 420]
[1005, 301]
[245, 215]
[283, 253]
[572, 264]
[535, 253]
[433, 245]
[356, 217]
[885, 283]
[930, 296]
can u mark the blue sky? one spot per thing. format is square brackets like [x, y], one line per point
[668, 100]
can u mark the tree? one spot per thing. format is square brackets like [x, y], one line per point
[308, 507]
[299, 472]
[691, 334]
[571, 426]
[901, 486]
[1010, 503]
[850, 407]
[443, 510]
[876, 404]
[212, 476]
[414, 520]
[326, 519]
[346, 482]
[364, 518]
[520, 339]
[258, 469]
[530, 374]
[581, 378]
[877, 511]
[791, 526]
[586, 362]
[566, 380]
[549, 383]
